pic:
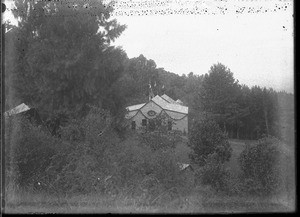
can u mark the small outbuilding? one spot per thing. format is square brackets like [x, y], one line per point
[26, 111]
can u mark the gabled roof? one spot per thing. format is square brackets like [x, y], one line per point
[167, 98]
[170, 106]
[183, 166]
[135, 107]
[160, 101]
[18, 109]
[163, 104]
[179, 101]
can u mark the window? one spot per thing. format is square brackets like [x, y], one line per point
[133, 125]
[144, 122]
[169, 125]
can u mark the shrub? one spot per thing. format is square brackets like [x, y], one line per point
[206, 138]
[90, 158]
[143, 174]
[161, 138]
[80, 164]
[29, 151]
[159, 141]
[213, 173]
[261, 166]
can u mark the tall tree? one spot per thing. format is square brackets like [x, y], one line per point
[218, 94]
[64, 58]
[139, 73]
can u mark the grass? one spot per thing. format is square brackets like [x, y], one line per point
[237, 147]
[195, 203]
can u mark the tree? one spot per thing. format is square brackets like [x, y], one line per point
[264, 109]
[139, 73]
[64, 58]
[262, 165]
[82, 158]
[218, 94]
[205, 139]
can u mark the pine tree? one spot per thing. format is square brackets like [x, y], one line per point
[64, 59]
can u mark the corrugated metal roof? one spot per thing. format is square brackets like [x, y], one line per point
[169, 99]
[18, 109]
[135, 107]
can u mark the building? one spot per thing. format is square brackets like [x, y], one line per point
[145, 115]
[24, 110]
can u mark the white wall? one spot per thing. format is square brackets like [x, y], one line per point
[151, 106]
[181, 124]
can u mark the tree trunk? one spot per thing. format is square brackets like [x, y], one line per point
[266, 120]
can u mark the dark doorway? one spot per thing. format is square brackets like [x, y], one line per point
[133, 125]
[151, 125]
[144, 122]
[169, 125]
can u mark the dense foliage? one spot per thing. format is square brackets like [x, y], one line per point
[60, 61]
[89, 158]
[73, 70]
[210, 150]
[161, 138]
[214, 173]
[29, 150]
[62, 57]
[240, 111]
[261, 165]
[206, 138]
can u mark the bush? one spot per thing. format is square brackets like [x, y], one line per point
[161, 138]
[206, 138]
[90, 158]
[159, 141]
[147, 176]
[29, 151]
[79, 164]
[261, 166]
[213, 174]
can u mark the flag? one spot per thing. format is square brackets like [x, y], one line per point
[150, 91]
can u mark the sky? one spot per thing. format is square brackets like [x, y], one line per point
[256, 47]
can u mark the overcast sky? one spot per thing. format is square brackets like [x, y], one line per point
[257, 47]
